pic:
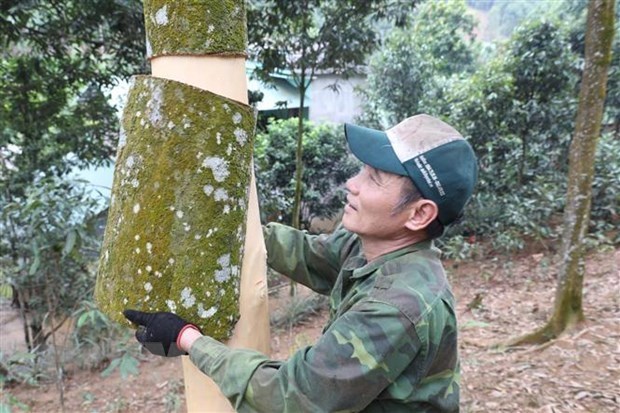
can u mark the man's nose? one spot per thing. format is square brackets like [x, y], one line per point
[350, 185]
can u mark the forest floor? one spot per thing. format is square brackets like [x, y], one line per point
[498, 298]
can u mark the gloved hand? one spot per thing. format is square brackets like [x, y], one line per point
[159, 332]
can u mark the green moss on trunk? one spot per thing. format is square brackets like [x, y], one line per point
[191, 28]
[176, 225]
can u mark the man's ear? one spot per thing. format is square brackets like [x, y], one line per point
[422, 213]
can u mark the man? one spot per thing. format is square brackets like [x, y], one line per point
[391, 341]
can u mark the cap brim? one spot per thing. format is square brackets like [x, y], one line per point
[373, 148]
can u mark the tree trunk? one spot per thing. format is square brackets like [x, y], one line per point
[187, 237]
[299, 164]
[568, 307]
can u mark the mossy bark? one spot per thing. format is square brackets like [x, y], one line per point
[176, 224]
[568, 307]
[193, 28]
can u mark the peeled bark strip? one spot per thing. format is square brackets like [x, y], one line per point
[193, 28]
[176, 226]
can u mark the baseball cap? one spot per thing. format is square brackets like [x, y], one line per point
[436, 157]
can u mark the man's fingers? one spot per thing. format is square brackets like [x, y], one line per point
[137, 317]
[141, 335]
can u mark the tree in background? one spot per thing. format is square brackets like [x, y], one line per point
[58, 62]
[310, 36]
[517, 110]
[568, 308]
[326, 168]
[406, 75]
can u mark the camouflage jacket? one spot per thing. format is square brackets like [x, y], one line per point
[390, 344]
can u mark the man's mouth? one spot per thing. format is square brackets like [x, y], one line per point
[350, 205]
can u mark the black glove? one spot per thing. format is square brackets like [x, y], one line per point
[158, 332]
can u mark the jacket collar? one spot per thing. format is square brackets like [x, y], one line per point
[360, 268]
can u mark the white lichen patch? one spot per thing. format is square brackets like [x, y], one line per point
[226, 210]
[122, 137]
[125, 300]
[148, 287]
[223, 274]
[172, 306]
[149, 268]
[187, 298]
[171, 125]
[237, 118]
[218, 138]
[202, 313]
[130, 161]
[155, 105]
[197, 237]
[161, 17]
[241, 136]
[218, 166]
[135, 183]
[179, 214]
[138, 252]
[149, 247]
[171, 261]
[207, 189]
[136, 208]
[137, 237]
[220, 195]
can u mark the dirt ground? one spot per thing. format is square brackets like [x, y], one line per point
[497, 299]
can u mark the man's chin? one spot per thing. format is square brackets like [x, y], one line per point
[346, 224]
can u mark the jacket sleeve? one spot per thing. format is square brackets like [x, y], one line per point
[312, 260]
[352, 363]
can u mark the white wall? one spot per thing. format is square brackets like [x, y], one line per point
[334, 106]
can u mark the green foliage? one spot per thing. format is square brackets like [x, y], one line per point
[327, 167]
[301, 38]
[7, 401]
[20, 367]
[407, 74]
[98, 341]
[605, 213]
[518, 112]
[49, 241]
[517, 109]
[58, 61]
[314, 35]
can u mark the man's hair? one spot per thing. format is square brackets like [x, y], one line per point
[409, 195]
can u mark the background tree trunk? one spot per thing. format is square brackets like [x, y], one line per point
[568, 307]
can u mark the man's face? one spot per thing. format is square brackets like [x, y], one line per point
[369, 212]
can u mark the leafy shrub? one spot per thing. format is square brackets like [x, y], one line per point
[326, 168]
[47, 250]
[98, 341]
